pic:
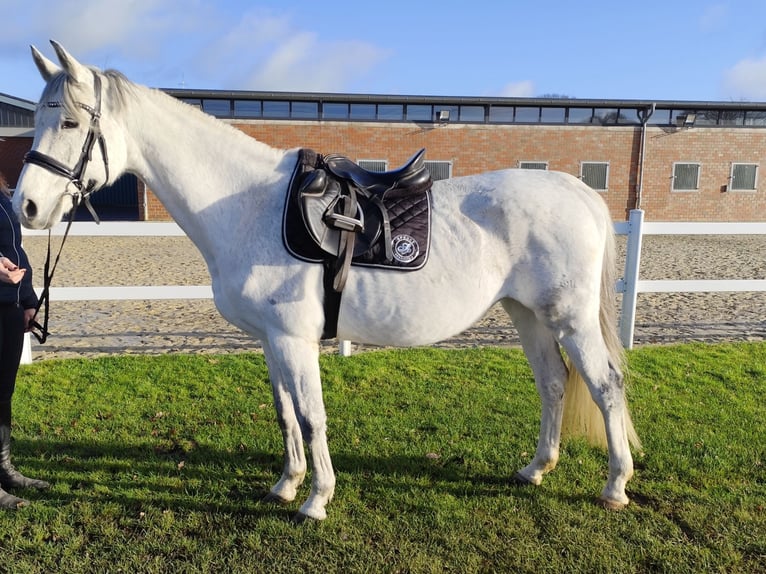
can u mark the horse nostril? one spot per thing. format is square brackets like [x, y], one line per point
[30, 209]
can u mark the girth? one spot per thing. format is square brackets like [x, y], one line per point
[339, 214]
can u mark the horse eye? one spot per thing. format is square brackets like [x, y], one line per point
[68, 124]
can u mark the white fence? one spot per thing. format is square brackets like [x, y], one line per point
[629, 286]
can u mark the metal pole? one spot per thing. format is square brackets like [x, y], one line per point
[644, 116]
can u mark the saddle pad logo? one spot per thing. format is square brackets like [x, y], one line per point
[405, 248]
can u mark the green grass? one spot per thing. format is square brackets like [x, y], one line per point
[158, 464]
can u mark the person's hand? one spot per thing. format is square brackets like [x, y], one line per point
[29, 316]
[10, 272]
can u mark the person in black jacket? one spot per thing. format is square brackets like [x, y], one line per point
[18, 302]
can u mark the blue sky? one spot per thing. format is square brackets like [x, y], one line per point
[670, 50]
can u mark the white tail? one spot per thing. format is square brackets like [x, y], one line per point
[582, 417]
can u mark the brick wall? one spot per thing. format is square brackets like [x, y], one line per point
[715, 149]
[471, 148]
[476, 148]
[12, 150]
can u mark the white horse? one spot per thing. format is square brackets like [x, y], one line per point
[539, 242]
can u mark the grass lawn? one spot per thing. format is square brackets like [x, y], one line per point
[158, 464]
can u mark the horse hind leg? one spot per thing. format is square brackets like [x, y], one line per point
[550, 374]
[599, 369]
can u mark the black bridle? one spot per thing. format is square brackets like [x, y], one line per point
[75, 174]
[82, 195]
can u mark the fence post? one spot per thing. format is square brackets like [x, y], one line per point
[344, 348]
[26, 353]
[630, 279]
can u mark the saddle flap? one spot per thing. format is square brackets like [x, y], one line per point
[314, 206]
[324, 218]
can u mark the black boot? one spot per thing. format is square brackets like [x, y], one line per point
[9, 476]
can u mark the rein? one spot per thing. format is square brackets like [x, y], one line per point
[82, 195]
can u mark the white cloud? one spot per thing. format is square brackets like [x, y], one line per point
[524, 89]
[199, 44]
[746, 80]
[86, 26]
[272, 53]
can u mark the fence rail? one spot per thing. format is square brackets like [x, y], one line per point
[629, 285]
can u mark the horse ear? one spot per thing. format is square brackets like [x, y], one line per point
[47, 68]
[72, 67]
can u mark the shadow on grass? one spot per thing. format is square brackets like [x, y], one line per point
[216, 480]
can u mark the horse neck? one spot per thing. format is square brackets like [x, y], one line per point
[191, 162]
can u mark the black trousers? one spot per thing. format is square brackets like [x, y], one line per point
[11, 346]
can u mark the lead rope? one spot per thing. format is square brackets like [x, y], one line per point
[48, 271]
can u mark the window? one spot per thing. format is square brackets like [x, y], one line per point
[686, 176]
[580, 115]
[659, 118]
[744, 177]
[418, 112]
[333, 111]
[247, 108]
[472, 114]
[706, 118]
[373, 164]
[732, 118]
[304, 110]
[605, 116]
[217, 108]
[439, 169]
[501, 114]
[454, 112]
[389, 112]
[595, 174]
[552, 115]
[526, 115]
[628, 116]
[755, 118]
[533, 164]
[362, 111]
[275, 109]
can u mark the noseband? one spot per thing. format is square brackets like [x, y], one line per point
[75, 175]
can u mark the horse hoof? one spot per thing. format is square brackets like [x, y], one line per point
[521, 480]
[272, 498]
[300, 518]
[610, 504]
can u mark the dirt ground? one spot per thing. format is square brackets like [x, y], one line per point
[93, 328]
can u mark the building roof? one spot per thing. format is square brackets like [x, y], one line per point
[17, 102]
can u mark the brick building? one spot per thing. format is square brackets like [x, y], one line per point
[678, 161]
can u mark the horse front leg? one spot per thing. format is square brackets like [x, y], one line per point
[294, 370]
[294, 468]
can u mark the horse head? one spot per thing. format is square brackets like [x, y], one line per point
[68, 160]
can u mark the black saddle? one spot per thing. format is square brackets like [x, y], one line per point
[338, 213]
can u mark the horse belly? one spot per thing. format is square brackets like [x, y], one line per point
[405, 309]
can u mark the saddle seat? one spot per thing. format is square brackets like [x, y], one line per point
[412, 175]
